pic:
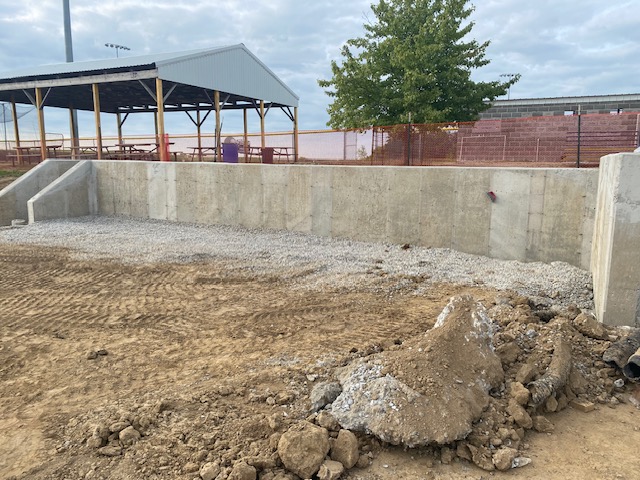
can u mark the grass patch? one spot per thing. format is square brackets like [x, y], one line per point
[10, 173]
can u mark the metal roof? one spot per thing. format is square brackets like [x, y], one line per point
[127, 84]
[627, 97]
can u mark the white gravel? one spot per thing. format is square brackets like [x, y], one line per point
[305, 260]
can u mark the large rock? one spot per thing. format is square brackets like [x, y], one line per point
[209, 470]
[429, 391]
[129, 436]
[345, 449]
[588, 325]
[303, 447]
[243, 471]
[503, 458]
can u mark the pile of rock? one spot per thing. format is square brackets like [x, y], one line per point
[475, 383]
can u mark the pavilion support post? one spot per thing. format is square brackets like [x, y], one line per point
[245, 137]
[16, 130]
[262, 137]
[295, 134]
[162, 144]
[96, 114]
[155, 124]
[43, 135]
[119, 120]
[199, 129]
[216, 104]
[73, 129]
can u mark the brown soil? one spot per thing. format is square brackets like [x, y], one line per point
[207, 362]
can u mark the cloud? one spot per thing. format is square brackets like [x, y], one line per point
[574, 47]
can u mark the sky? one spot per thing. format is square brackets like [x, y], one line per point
[561, 48]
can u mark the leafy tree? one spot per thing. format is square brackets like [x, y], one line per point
[415, 59]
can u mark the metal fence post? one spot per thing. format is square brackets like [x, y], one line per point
[409, 141]
[579, 132]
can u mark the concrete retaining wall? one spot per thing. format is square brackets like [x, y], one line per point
[71, 195]
[539, 214]
[14, 198]
[616, 241]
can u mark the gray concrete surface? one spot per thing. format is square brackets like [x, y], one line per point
[616, 241]
[14, 198]
[70, 195]
[539, 214]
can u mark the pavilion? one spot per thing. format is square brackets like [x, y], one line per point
[196, 82]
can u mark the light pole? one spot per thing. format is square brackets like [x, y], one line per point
[116, 47]
[510, 76]
[68, 47]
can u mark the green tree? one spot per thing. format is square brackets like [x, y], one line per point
[415, 59]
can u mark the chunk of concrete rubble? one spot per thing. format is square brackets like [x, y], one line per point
[430, 390]
[323, 394]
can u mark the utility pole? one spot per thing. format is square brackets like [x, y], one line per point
[66, 11]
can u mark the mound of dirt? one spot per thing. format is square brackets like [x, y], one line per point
[429, 390]
[203, 371]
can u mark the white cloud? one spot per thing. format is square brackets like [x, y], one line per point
[573, 47]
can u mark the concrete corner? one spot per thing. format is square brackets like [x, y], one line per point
[615, 258]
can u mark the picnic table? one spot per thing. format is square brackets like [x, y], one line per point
[27, 152]
[202, 152]
[263, 153]
[138, 151]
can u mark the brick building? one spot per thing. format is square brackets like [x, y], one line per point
[559, 106]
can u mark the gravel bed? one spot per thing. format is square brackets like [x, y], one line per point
[307, 261]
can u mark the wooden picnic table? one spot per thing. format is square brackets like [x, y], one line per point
[202, 152]
[277, 151]
[139, 151]
[27, 152]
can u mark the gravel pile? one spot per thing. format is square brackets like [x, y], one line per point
[307, 261]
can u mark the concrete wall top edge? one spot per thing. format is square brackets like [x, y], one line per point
[581, 171]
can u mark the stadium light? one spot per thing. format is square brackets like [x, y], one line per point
[116, 47]
[509, 76]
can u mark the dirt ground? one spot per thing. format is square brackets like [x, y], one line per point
[207, 362]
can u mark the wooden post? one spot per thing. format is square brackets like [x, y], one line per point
[245, 138]
[295, 134]
[216, 104]
[16, 131]
[96, 114]
[262, 137]
[162, 145]
[43, 135]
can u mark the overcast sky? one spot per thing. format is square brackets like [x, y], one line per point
[561, 48]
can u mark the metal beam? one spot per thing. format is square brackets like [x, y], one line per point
[16, 130]
[216, 101]
[84, 80]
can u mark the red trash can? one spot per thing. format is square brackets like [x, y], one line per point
[267, 155]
